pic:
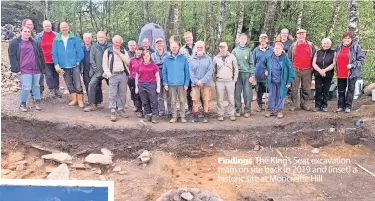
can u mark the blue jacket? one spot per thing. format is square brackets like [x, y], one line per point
[176, 71]
[69, 57]
[158, 60]
[201, 69]
[356, 58]
[259, 56]
[287, 74]
[39, 37]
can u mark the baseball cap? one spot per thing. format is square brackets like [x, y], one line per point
[301, 31]
[158, 39]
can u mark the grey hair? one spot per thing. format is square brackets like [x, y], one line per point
[45, 22]
[200, 42]
[131, 41]
[327, 39]
[117, 37]
[284, 30]
[87, 35]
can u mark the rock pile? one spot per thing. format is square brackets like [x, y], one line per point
[9, 81]
[189, 194]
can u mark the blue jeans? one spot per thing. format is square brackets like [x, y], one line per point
[243, 86]
[30, 82]
[275, 101]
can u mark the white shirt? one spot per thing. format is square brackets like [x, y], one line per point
[65, 40]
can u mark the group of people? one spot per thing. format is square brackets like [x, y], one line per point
[185, 74]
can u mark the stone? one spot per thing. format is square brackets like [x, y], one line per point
[21, 167]
[5, 171]
[257, 147]
[145, 156]
[44, 149]
[315, 151]
[117, 169]
[187, 196]
[177, 198]
[195, 191]
[123, 172]
[368, 89]
[49, 169]
[39, 163]
[98, 172]
[23, 162]
[331, 130]
[16, 156]
[102, 178]
[106, 152]
[14, 89]
[60, 173]
[79, 166]
[216, 199]
[25, 174]
[58, 157]
[99, 159]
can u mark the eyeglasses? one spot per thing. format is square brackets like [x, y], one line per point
[199, 47]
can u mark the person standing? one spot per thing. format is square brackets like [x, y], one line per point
[245, 76]
[259, 54]
[26, 59]
[200, 68]
[67, 53]
[45, 40]
[115, 67]
[95, 93]
[134, 64]
[132, 45]
[176, 80]
[301, 53]
[349, 58]
[285, 38]
[146, 44]
[225, 74]
[323, 64]
[85, 67]
[147, 84]
[280, 75]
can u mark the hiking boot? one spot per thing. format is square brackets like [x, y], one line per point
[247, 115]
[292, 108]
[90, 108]
[305, 107]
[238, 114]
[340, 110]
[173, 120]
[259, 108]
[347, 110]
[122, 113]
[154, 119]
[183, 120]
[195, 118]
[280, 114]
[205, 119]
[74, 99]
[316, 109]
[113, 116]
[325, 109]
[220, 118]
[80, 100]
[23, 107]
[268, 114]
[37, 105]
[232, 118]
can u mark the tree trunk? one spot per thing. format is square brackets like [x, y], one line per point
[211, 26]
[46, 14]
[195, 25]
[335, 14]
[176, 22]
[240, 21]
[92, 19]
[270, 17]
[251, 24]
[145, 11]
[353, 17]
[221, 27]
[299, 19]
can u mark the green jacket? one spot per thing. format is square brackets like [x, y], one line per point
[245, 60]
[287, 73]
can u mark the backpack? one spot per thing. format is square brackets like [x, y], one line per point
[122, 50]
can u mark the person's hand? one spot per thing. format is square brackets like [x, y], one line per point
[251, 79]
[199, 83]
[349, 66]
[77, 64]
[107, 75]
[322, 72]
[166, 87]
[266, 73]
[185, 88]
[136, 90]
[288, 86]
[158, 90]
[117, 51]
[59, 70]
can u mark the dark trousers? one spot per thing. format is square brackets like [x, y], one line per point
[72, 78]
[189, 99]
[52, 77]
[95, 93]
[149, 97]
[345, 99]
[322, 85]
[135, 97]
[86, 79]
[261, 89]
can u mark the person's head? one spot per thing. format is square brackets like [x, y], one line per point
[146, 43]
[278, 48]
[29, 23]
[223, 47]
[284, 34]
[200, 48]
[138, 52]
[87, 38]
[47, 26]
[101, 37]
[326, 43]
[263, 39]
[243, 39]
[132, 45]
[146, 55]
[64, 27]
[301, 35]
[189, 38]
[175, 46]
[159, 44]
[25, 32]
[347, 38]
[117, 41]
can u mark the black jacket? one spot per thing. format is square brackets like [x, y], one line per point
[14, 52]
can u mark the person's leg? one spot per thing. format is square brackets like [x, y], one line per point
[189, 97]
[86, 80]
[181, 94]
[113, 90]
[326, 85]
[122, 84]
[306, 79]
[77, 80]
[173, 94]
[350, 92]
[153, 96]
[230, 88]
[259, 89]
[168, 99]
[131, 84]
[341, 88]
[68, 78]
[248, 95]
[26, 85]
[206, 96]
[238, 92]
[98, 91]
[295, 89]
[92, 89]
[272, 98]
[51, 83]
[41, 84]
[196, 96]
[144, 98]
[161, 98]
[220, 89]
[35, 86]
[319, 84]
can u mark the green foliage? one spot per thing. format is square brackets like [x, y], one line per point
[368, 70]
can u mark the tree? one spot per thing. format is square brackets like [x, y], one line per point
[300, 14]
[221, 26]
[353, 17]
[269, 20]
[145, 11]
[335, 12]
[240, 21]
[176, 22]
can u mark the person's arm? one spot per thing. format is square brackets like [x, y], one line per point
[136, 82]
[106, 70]
[187, 74]
[214, 69]
[93, 59]
[290, 52]
[157, 75]
[124, 57]
[41, 58]
[79, 51]
[235, 66]
[55, 57]
[315, 66]
[12, 53]
[359, 59]
[251, 64]
[291, 75]
[192, 76]
[164, 74]
[208, 75]
[330, 67]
